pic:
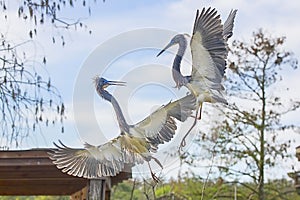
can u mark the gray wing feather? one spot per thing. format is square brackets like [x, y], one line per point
[160, 126]
[183, 108]
[208, 34]
[228, 25]
[157, 128]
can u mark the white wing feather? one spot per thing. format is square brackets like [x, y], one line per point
[93, 161]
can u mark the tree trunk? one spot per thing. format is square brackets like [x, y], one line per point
[261, 192]
[261, 168]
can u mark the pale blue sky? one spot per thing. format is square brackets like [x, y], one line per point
[112, 18]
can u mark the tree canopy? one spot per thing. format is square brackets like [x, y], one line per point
[245, 139]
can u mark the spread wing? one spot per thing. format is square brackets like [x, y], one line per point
[91, 162]
[160, 126]
[208, 48]
[157, 128]
[228, 25]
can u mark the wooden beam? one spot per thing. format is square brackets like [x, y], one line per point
[25, 162]
[40, 187]
[32, 153]
[31, 172]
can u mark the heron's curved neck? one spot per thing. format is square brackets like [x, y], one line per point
[120, 117]
[181, 50]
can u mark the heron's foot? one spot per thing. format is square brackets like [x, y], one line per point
[182, 145]
[183, 141]
[155, 178]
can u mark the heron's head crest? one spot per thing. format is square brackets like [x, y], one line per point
[100, 83]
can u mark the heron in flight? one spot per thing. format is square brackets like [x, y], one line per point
[209, 51]
[135, 143]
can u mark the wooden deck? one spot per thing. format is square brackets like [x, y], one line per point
[31, 172]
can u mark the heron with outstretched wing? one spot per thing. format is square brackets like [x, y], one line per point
[209, 51]
[134, 145]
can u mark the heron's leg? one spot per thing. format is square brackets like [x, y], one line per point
[198, 116]
[155, 178]
[157, 161]
[183, 142]
[200, 112]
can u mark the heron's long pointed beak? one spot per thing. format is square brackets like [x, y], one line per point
[164, 49]
[119, 83]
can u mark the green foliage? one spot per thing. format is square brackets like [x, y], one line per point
[163, 190]
[194, 188]
[127, 190]
[34, 197]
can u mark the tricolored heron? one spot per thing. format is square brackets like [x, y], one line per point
[134, 144]
[209, 51]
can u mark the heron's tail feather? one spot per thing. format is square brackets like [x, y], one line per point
[218, 96]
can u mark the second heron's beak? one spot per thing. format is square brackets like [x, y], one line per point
[168, 46]
[119, 83]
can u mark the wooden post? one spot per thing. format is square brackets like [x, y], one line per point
[96, 189]
[297, 174]
[298, 152]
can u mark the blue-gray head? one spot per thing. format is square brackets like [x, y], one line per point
[101, 83]
[180, 39]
